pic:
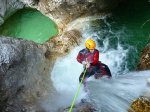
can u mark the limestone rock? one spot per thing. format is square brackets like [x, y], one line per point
[30, 3]
[63, 12]
[24, 75]
[8, 7]
[141, 104]
[145, 59]
[81, 107]
[62, 44]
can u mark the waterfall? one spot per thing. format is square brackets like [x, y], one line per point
[113, 95]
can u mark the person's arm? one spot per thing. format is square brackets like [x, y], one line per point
[96, 58]
[80, 57]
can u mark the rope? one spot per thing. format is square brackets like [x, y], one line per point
[77, 92]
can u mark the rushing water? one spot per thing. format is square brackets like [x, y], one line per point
[113, 95]
[116, 95]
[120, 39]
[29, 24]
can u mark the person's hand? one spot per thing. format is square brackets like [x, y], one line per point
[87, 65]
[84, 62]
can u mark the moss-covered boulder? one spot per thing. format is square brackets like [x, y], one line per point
[141, 104]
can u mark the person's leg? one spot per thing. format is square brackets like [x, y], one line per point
[102, 70]
[98, 72]
[107, 70]
[85, 77]
[80, 78]
[89, 72]
[92, 71]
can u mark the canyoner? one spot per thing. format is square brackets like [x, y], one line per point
[89, 58]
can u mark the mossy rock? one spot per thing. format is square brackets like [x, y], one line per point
[140, 105]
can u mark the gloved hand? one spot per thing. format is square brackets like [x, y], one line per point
[84, 62]
[87, 65]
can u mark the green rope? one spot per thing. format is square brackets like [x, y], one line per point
[77, 91]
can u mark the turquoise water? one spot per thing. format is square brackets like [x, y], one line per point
[29, 24]
[129, 26]
[134, 17]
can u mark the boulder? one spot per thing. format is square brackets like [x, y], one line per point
[24, 75]
[145, 59]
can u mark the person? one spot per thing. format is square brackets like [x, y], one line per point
[89, 58]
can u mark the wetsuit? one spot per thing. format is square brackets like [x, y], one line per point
[96, 68]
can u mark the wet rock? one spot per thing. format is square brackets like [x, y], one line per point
[141, 104]
[81, 107]
[30, 2]
[63, 12]
[8, 7]
[63, 44]
[145, 59]
[24, 75]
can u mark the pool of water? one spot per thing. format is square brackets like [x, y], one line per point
[29, 24]
[129, 26]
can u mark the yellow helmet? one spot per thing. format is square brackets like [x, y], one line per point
[90, 44]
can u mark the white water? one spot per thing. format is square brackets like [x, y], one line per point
[115, 95]
[112, 95]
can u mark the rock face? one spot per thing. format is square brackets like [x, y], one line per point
[8, 7]
[62, 44]
[25, 70]
[141, 104]
[145, 59]
[30, 2]
[24, 75]
[60, 11]
[81, 107]
[64, 11]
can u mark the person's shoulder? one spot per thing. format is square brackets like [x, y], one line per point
[83, 50]
[96, 50]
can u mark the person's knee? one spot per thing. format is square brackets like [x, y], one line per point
[80, 78]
